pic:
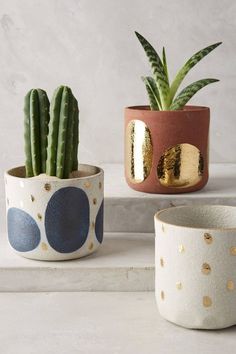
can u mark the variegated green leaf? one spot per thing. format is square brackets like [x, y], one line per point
[164, 61]
[188, 92]
[158, 70]
[153, 94]
[187, 66]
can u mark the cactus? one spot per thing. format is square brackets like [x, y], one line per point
[63, 134]
[160, 93]
[36, 111]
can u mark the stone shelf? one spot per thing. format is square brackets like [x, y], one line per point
[131, 211]
[125, 262]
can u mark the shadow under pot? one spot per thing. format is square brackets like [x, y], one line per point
[166, 151]
[55, 219]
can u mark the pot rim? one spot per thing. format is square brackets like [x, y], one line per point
[158, 214]
[11, 173]
[146, 108]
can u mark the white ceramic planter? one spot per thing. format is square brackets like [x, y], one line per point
[196, 265]
[55, 219]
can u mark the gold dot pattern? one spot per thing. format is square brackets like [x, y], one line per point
[44, 246]
[39, 216]
[87, 184]
[208, 238]
[90, 246]
[94, 201]
[162, 295]
[206, 268]
[230, 285]
[179, 285]
[233, 251]
[47, 187]
[181, 248]
[93, 225]
[206, 301]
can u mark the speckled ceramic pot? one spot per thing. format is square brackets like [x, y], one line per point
[196, 265]
[55, 219]
[166, 151]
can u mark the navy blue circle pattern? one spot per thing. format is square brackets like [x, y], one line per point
[99, 223]
[23, 231]
[67, 219]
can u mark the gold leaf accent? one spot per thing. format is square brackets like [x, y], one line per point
[39, 216]
[233, 251]
[47, 187]
[179, 285]
[230, 285]
[208, 238]
[206, 268]
[180, 166]
[206, 300]
[44, 246]
[87, 184]
[138, 151]
[90, 246]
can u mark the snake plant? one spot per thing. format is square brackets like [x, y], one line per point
[161, 93]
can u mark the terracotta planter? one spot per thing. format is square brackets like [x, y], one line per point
[55, 219]
[166, 151]
[195, 261]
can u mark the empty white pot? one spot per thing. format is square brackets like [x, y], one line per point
[196, 265]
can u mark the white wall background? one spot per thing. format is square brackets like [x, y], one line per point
[90, 46]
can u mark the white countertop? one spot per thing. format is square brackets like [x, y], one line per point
[99, 323]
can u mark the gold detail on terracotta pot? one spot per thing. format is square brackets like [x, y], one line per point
[179, 285]
[208, 238]
[139, 151]
[39, 216]
[206, 300]
[87, 184]
[44, 246]
[90, 246]
[230, 285]
[162, 295]
[206, 268]
[181, 248]
[47, 187]
[94, 201]
[162, 262]
[32, 198]
[180, 166]
[233, 251]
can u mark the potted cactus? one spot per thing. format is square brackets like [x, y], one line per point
[54, 205]
[166, 143]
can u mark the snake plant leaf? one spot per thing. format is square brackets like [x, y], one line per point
[188, 92]
[189, 65]
[164, 61]
[153, 94]
[158, 70]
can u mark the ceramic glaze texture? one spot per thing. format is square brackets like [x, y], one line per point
[195, 262]
[166, 151]
[55, 219]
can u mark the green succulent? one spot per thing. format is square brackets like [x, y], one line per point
[162, 95]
